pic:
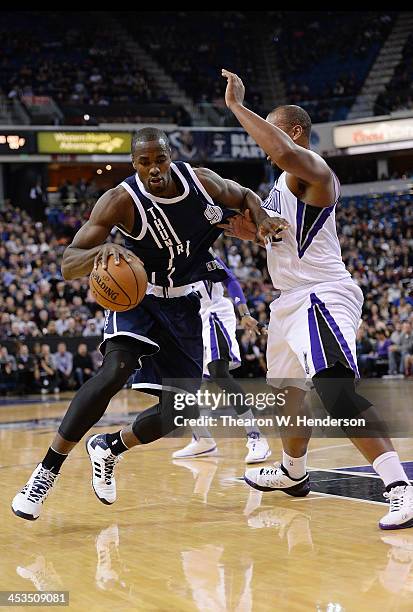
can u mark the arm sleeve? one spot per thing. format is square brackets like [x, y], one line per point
[234, 289]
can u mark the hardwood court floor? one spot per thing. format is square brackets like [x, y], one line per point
[190, 535]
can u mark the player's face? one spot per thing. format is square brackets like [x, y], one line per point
[152, 162]
[280, 121]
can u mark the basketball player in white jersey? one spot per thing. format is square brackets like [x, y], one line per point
[313, 323]
[222, 354]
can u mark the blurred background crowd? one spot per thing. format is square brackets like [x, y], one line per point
[50, 329]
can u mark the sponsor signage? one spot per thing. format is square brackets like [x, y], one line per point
[213, 145]
[375, 132]
[16, 143]
[87, 143]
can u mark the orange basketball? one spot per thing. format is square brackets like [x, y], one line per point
[119, 287]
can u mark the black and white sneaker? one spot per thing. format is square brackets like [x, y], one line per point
[103, 465]
[400, 514]
[28, 503]
[276, 478]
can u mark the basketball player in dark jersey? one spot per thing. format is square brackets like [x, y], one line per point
[168, 213]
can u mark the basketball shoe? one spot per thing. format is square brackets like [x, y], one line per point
[103, 466]
[258, 449]
[198, 447]
[276, 478]
[28, 503]
[400, 514]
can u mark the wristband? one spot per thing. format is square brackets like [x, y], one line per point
[246, 314]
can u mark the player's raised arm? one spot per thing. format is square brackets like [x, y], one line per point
[113, 208]
[233, 195]
[279, 142]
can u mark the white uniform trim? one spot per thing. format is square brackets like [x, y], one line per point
[154, 236]
[141, 212]
[199, 184]
[172, 292]
[168, 223]
[137, 336]
[157, 387]
[154, 198]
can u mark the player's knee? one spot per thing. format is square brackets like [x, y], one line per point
[219, 368]
[116, 368]
[336, 388]
[162, 419]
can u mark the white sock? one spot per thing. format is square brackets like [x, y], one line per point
[296, 466]
[389, 468]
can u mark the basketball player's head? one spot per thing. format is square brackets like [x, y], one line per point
[151, 158]
[294, 121]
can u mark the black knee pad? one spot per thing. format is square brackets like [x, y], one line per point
[160, 420]
[90, 402]
[336, 388]
[116, 368]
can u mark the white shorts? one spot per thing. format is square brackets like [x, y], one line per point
[219, 325]
[313, 328]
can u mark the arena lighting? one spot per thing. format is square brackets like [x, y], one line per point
[99, 171]
[86, 117]
[108, 167]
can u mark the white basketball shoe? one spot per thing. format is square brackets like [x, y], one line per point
[258, 449]
[198, 447]
[28, 503]
[400, 514]
[103, 466]
[276, 478]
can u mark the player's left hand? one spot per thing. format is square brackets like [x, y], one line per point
[240, 226]
[235, 91]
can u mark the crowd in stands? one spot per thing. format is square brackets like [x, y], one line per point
[199, 45]
[398, 93]
[323, 59]
[45, 55]
[36, 304]
[325, 56]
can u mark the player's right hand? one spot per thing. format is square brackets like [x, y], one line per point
[117, 251]
[271, 227]
[250, 324]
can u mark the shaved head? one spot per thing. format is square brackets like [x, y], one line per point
[149, 134]
[290, 115]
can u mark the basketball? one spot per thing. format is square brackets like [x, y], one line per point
[120, 287]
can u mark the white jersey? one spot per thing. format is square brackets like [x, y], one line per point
[309, 251]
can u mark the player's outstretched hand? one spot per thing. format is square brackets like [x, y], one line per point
[117, 251]
[235, 91]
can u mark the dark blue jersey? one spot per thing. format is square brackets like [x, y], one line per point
[172, 235]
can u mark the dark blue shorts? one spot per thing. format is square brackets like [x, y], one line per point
[170, 330]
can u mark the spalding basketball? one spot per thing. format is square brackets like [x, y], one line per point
[119, 287]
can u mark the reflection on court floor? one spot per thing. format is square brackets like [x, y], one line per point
[190, 535]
